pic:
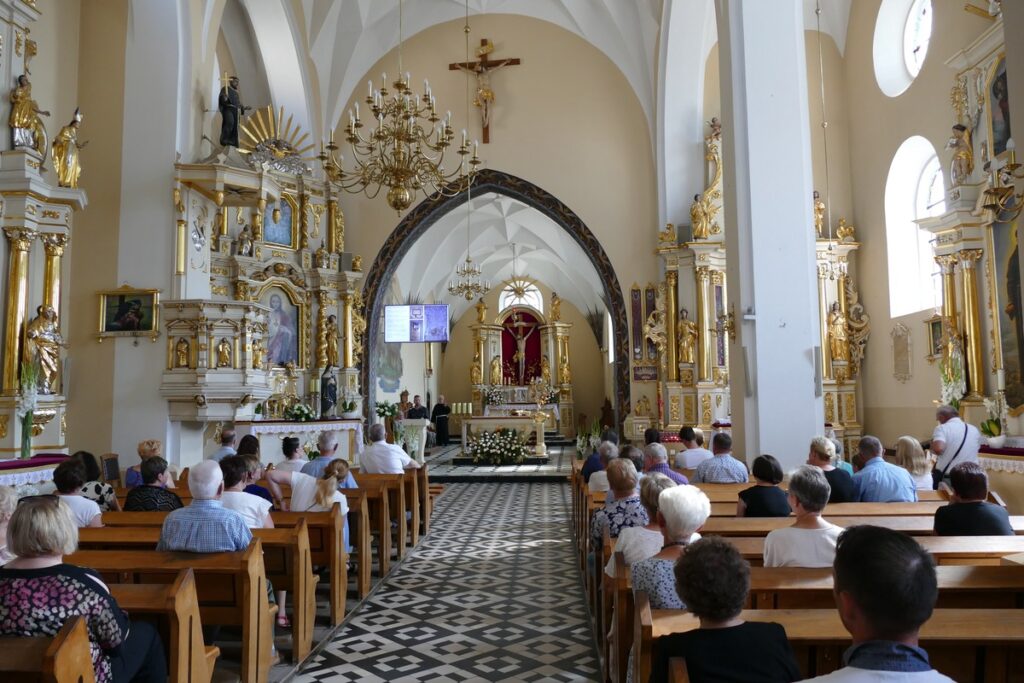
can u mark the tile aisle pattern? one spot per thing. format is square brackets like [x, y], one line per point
[557, 469]
[492, 594]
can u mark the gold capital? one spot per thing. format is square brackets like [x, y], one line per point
[20, 238]
[968, 257]
[54, 243]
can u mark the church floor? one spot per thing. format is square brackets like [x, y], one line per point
[491, 594]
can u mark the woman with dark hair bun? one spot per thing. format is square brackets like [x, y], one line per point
[294, 456]
[95, 489]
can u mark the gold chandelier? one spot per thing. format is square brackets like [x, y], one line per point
[405, 150]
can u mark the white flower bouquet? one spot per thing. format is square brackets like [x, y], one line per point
[500, 447]
[300, 412]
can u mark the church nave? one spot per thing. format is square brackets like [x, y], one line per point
[491, 594]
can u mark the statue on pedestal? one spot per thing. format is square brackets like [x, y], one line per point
[65, 153]
[496, 374]
[819, 215]
[838, 336]
[475, 372]
[259, 354]
[962, 165]
[687, 337]
[481, 310]
[43, 348]
[564, 376]
[332, 341]
[322, 257]
[328, 394]
[181, 353]
[244, 246]
[224, 353]
[231, 111]
[545, 370]
[556, 307]
[27, 130]
[699, 219]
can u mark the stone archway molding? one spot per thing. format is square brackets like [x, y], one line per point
[431, 209]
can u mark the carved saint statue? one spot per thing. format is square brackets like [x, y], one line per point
[357, 264]
[323, 259]
[564, 376]
[844, 231]
[65, 153]
[43, 348]
[332, 341]
[545, 370]
[475, 371]
[962, 165]
[642, 407]
[699, 219]
[244, 247]
[838, 335]
[224, 353]
[259, 354]
[686, 337]
[27, 130]
[496, 375]
[231, 112]
[481, 310]
[328, 394]
[181, 353]
[556, 307]
[819, 215]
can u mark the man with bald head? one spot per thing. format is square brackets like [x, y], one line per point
[953, 441]
[879, 481]
[205, 526]
[381, 457]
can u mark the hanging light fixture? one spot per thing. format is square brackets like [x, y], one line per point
[405, 151]
[832, 266]
[467, 283]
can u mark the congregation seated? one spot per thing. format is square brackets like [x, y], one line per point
[911, 457]
[656, 461]
[640, 542]
[635, 456]
[713, 579]
[692, 453]
[39, 593]
[327, 447]
[381, 457]
[146, 449]
[606, 452]
[625, 510]
[878, 481]
[95, 489]
[823, 455]
[312, 494]
[255, 510]
[968, 512]
[811, 541]
[8, 503]
[722, 468]
[953, 441]
[153, 495]
[205, 526]
[885, 588]
[593, 462]
[765, 498]
[294, 458]
[227, 444]
[69, 478]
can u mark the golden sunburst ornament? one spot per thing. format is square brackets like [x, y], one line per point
[272, 140]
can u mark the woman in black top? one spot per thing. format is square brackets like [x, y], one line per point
[765, 499]
[823, 452]
[968, 514]
[713, 579]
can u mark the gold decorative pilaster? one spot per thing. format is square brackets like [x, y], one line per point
[947, 264]
[257, 220]
[331, 233]
[181, 246]
[826, 356]
[671, 311]
[347, 358]
[19, 242]
[304, 221]
[703, 325]
[54, 244]
[321, 329]
[972, 323]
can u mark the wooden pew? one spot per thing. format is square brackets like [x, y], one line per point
[412, 505]
[394, 484]
[960, 642]
[360, 537]
[677, 672]
[725, 493]
[761, 526]
[232, 589]
[426, 499]
[622, 621]
[65, 658]
[963, 550]
[854, 509]
[175, 608]
[326, 549]
[378, 502]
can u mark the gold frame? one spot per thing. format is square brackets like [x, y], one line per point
[298, 298]
[934, 341]
[296, 223]
[128, 290]
[989, 77]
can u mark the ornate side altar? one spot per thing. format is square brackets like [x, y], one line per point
[272, 432]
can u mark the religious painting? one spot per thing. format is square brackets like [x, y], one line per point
[1009, 310]
[284, 322]
[998, 107]
[281, 232]
[637, 312]
[650, 306]
[129, 312]
[934, 327]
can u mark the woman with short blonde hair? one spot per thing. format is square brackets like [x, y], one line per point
[823, 456]
[911, 457]
[145, 449]
[625, 510]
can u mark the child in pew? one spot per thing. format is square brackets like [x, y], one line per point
[885, 588]
[39, 592]
[713, 580]
[968, 512]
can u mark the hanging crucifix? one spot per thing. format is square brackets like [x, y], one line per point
[482, 68]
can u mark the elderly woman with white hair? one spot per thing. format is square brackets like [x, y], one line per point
[640, 542]
[810, 541]
[822, 455]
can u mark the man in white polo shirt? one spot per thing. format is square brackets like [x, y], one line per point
[953, 441]
[381, 457]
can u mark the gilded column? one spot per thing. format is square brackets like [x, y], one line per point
[331, 233]
[181, 247]
[54, 244]
[257, 220]
[947, 264]
[826, 355]
[304, 221]
[972, 323]
[703, 325]
[321, 329]
[347, 357]
[19, 243]
[671, 311]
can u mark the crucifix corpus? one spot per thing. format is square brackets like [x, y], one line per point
[521, 334]
[483, 68]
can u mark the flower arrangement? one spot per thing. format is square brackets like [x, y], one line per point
[300, 412]
[500, 447]
[951, 370]
[28, 400]
[493, 395]
[552, 396]
[348, 406]
[997, 414]
[386, 409]
[587, 441]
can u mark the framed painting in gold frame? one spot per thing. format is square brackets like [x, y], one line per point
[933, 325]
[282, 232]
[287, 324]
[129, 312]
[997, 105]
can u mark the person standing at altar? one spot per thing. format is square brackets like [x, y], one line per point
[439, 416]
[403, 404]
[417, 411]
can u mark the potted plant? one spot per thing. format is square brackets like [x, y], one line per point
[350, 410]
[992, 428]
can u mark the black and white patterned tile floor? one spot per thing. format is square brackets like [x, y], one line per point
[491, 594]
[557, 468]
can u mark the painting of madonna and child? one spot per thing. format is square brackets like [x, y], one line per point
[282, 328]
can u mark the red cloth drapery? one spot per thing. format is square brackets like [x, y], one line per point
[528, 325]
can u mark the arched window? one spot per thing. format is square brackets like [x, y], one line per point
[903, 30]
[520, 293]
[916, 35]
[913, 190]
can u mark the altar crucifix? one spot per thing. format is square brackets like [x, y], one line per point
[483, 68]
[520, 336]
